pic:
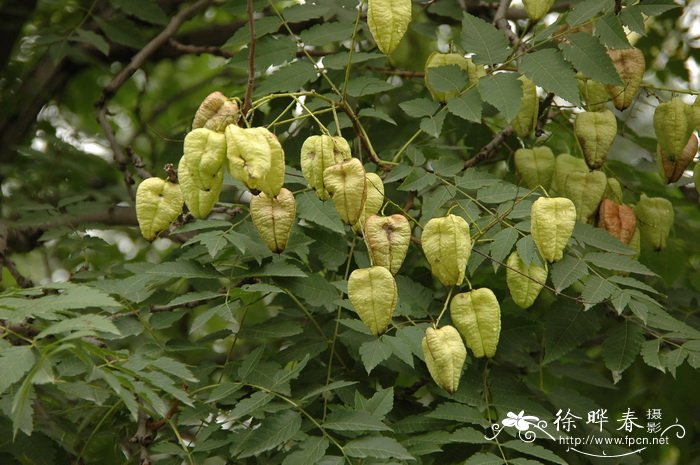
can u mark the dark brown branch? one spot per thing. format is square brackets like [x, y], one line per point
[399, 72]
[199, 49]
[248, 100]
[543, 114]
[490, 149]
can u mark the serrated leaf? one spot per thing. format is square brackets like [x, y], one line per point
[376, 114]
[484, 458]
[621, 347]
[419, 107]
[528, 251]
[373, 353]
[15, 362]
[503, 91]
[362, 86]
[147, 10]
[467, 106]
[325, 33]
[288, 78]
[616, 262]
[589, 56]
[310, 208]
[251, 404]
[610, 31]
[534, 450]
[457, 412]
[354, 420]
[432, 125]
[657, 7]
[94, 39]
[584, 11]
[547, 69]
[122, 32]
[502, 244]
[599, 238]
[380, 404]
[596, 290]
[310, 452]
[566, 328]
[400, 348]
[274, 431]
[632, 17]
[90, 323]
[449, 78]
[567, 271]
[377, 447]
[488, 44]
[304, 12]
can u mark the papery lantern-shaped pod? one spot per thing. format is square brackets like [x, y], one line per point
[696, 177]
[158, 203]
[617, 219]
[586, 190]
[444, 354]
[535, 166]
[654, 219]
[672, 170]
[564, 165]
[216, 112]
[595, 131]
[273, 217]
[346, 185]
[524, 281]
[255, 158]
[372, 292]
[388, 21]
[614, 190]
[437, 59]
[317, 154]
[673, 123]
[526, 119]
[477, 316]
[201, 170]
[594, 93]
[447, 245]
[387, 239]
[537, 9]
[552, 223]
[630, 65]
[373, 201]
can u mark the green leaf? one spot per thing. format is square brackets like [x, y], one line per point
[621, 347]
[596, 290]
[467, 106]
[310, 452]
[376, 114]
[326, 33]
[589, 56]
[484, 458]
[419, 107]
[432, 125]
[23, 409]
[584, 11]
[90, 323]
[147, 10]
[174, 367]
[373, 353]
[269, 51]
[449, 78]
[616, 262]
[377, 447]
[457, 412]
[547, 69]
[304, 12]
[122, 32]
[92, 38]
[631, 16]
[381, 403]
[534, 450]
[610, 31]
[657, 7]
[503, 91]
[250, 405]
[567, 271]
[362, 86]
[15, 362]
[354, 420]
[566, 328]
[599, 238]
[488, 44]
[288, 78]
[183, 269]
[274, 431]
[311, 209]
[502, 244]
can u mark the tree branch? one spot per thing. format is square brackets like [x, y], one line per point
[199, 49]
[490, 149]
[500, 21]
[248, 100]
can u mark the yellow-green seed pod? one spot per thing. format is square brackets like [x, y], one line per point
[673, 123]
[447, 245]
[437, 59]
[273, 217]
[474, 71]
[526, 119]
[346, 185]
[595, 131]
[373, 202]
[671, 170]
[255, 158]
[444, 354]
[630, 65]
[535, 166]
[216, 112]
[317, 154]
[387, 239]
[537, 9]
[201, 170]
[696, 177]
[552, 222]
[388, 21]
[564, 165]
[158, 203]
[372, 292]
[636, 244]
[586, 190]
[654, 219]
[695, 112]
[477, 316]
[614, 190]
[524, 282]
[594, 93]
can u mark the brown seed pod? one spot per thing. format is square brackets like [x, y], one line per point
[630, 65]
[617, 219]
[672, 170]
[216, 112]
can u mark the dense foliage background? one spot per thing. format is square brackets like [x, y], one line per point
[205, 348]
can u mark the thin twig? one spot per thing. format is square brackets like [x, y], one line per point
[248, 101]
[199, 49]
[543, 115]
[490, 149]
